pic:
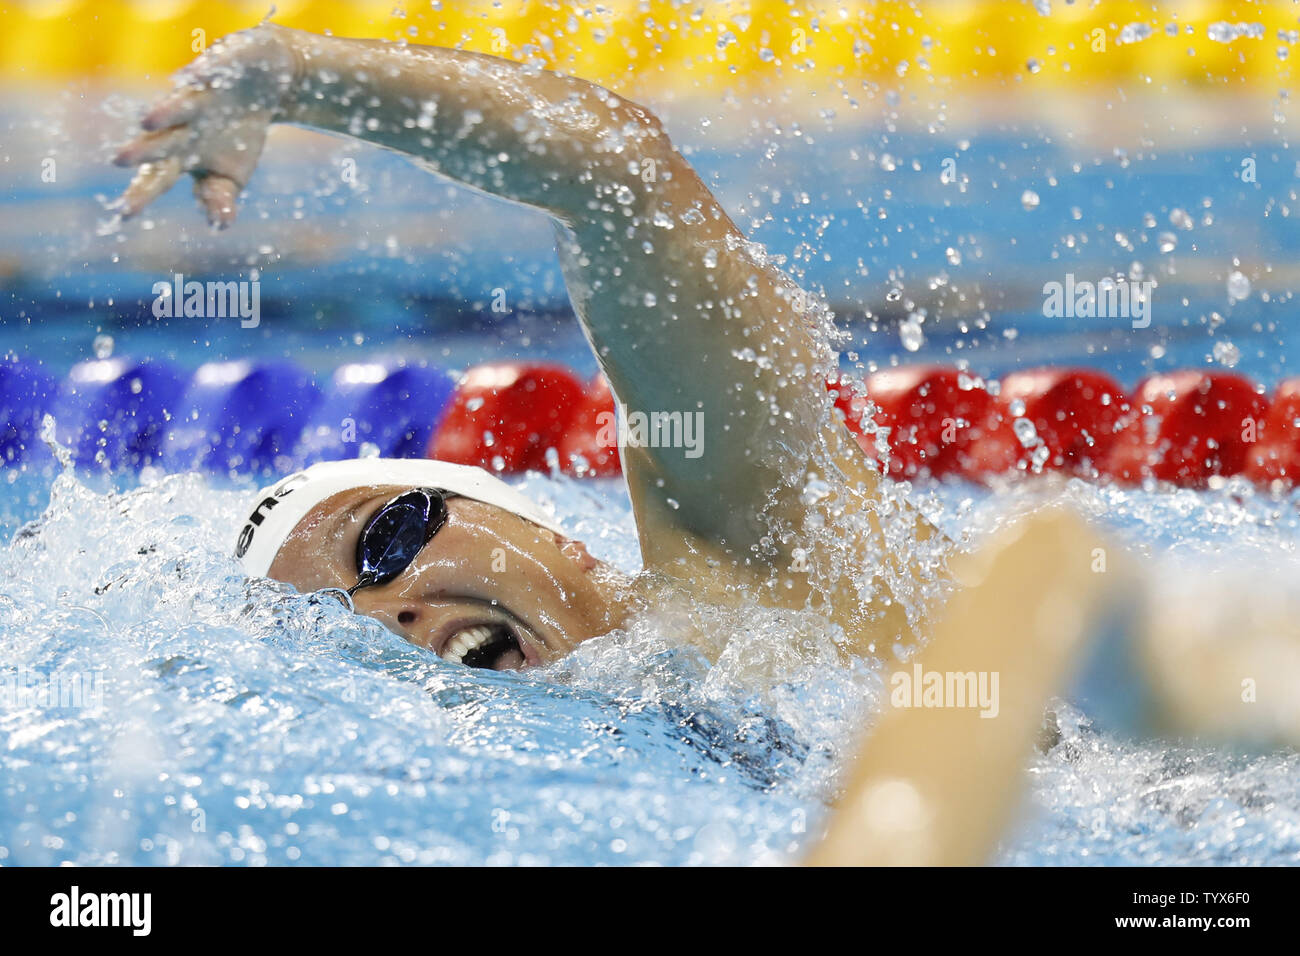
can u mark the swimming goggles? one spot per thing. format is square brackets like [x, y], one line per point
[393, 537]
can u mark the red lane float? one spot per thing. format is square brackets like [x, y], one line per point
[1189, 426]
[504, 416]
[1276, 456]
[1076, 413]
[1183, 427]
[941, 422]
[589, 449]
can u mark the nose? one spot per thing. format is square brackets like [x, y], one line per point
[402, 616]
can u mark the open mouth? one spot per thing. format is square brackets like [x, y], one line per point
[491, 646]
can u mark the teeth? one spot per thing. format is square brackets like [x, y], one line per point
[464, 641]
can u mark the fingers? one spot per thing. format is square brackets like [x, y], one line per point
[161, 161]
[150, 182]
[204, 131]
[175, 109]
[153, 147]
[217, 194]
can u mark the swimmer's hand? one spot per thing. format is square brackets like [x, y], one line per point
[213, 124]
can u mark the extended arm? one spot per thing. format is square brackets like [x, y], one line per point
[684, 319]
[685, 323]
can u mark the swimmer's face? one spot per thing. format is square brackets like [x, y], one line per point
[490, 589]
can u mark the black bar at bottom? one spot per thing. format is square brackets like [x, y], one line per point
[302, 905]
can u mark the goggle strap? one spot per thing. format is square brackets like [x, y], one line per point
[366, 579]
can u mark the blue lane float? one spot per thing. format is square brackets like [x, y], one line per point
[26, 393]
[390, 408]
[114, 413]
[227, 417]
[242, 417]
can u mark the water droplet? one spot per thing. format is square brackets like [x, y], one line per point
[815, 490]
[1134, 33]
[911, 335]
[1029, 199]
[103, 346]
[1238, 286]
[1224, 32]
[1226, 354]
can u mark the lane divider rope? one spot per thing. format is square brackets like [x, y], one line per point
[1189, 427]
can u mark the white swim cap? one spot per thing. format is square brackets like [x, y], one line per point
[279, 507]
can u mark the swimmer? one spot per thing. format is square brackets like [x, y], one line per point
[684, 315]
[681, 319]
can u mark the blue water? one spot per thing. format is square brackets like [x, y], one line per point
[223, 720]
[400, 262]
[229, 721]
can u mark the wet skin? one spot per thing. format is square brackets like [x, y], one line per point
[485, 566]
[681, 319]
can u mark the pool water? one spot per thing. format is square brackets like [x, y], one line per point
[207, 718]
[223, 720]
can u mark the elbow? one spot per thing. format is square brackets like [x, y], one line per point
[610, 118]
[644, 117]
[644, 125]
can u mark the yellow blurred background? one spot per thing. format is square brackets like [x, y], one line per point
[655, 46]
